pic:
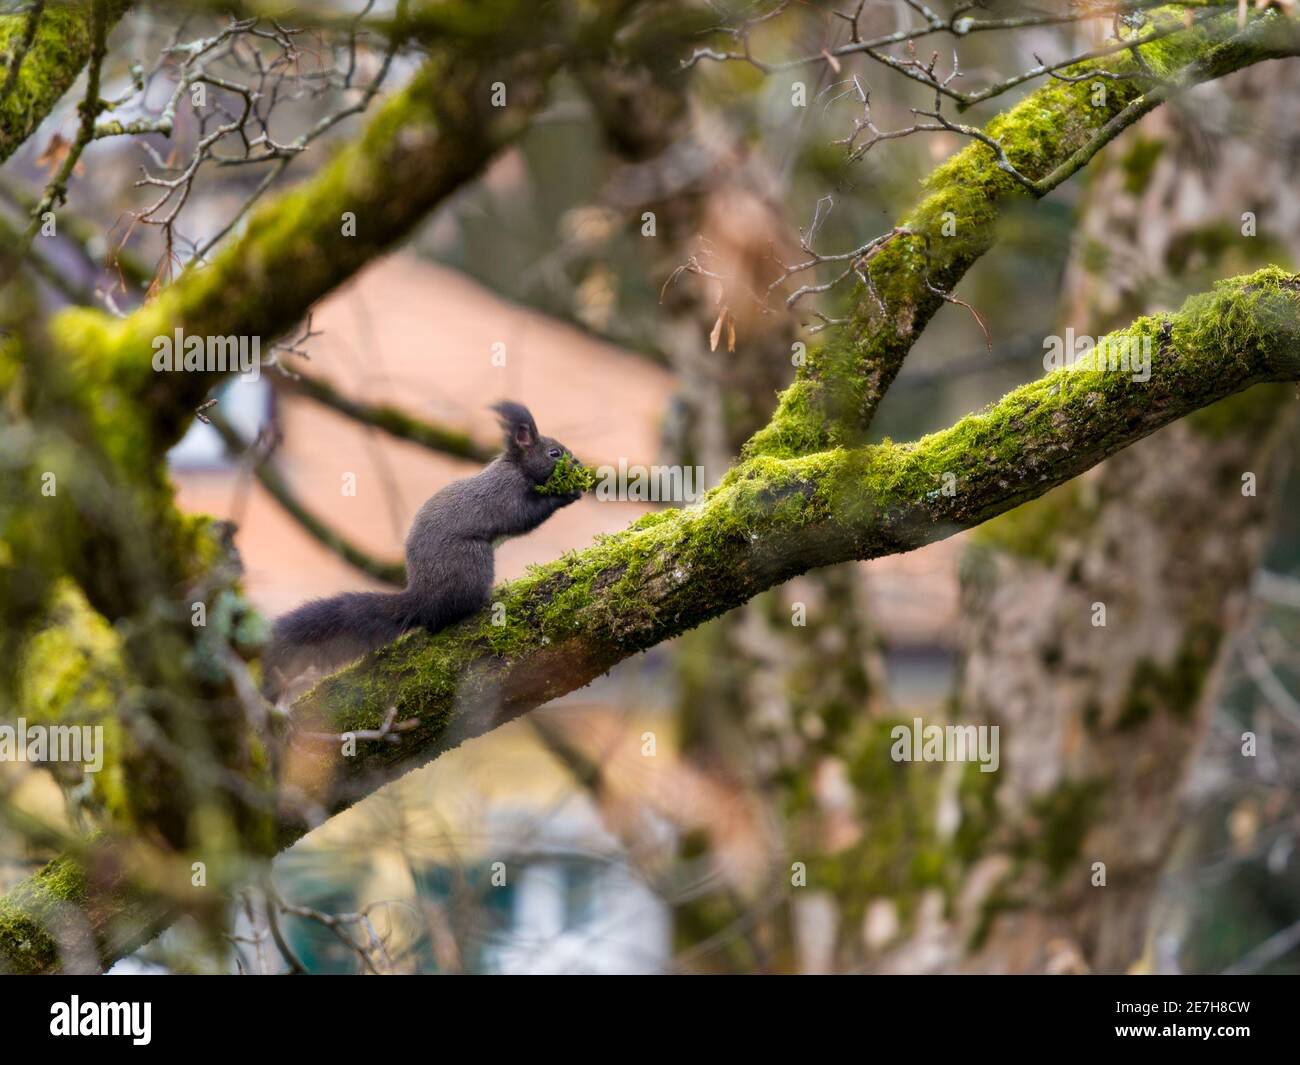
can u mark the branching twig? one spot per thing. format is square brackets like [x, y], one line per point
[388, 732]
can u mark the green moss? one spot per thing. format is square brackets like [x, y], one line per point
[977, 797]
[1095, 256]
[25, 946]
[1246, 326]
[1140, 704]
[1139, 162]
[1176, 688]
[1201, 244]
[898, 854]
[569, 475]
[26, 915]
[1253, 315]
[59, 50]
[72, 673]
[1060, 822]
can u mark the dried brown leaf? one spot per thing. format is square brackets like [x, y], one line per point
[715, 334]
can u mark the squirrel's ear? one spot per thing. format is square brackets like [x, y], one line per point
[521, 430]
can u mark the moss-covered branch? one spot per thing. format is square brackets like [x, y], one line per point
[772, 519]
[425, 143]
[61, 911]
[1046, 137]
[37, 72]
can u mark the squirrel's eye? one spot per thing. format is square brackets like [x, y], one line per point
[554, 453]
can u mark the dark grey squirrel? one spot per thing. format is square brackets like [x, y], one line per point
[448, 560]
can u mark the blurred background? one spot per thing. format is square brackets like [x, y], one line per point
[724, 803]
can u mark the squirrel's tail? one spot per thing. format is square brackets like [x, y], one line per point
[324, 634]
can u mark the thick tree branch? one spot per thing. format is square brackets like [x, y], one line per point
[425, 143]
[57, 190]
[1046, 137]
[772, 519]
[62, 919]
[38, 72]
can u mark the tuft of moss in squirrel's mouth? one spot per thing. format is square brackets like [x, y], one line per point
[569, 475]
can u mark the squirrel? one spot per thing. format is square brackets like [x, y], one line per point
[449, 565]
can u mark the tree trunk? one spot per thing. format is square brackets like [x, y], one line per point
[1100, 724]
